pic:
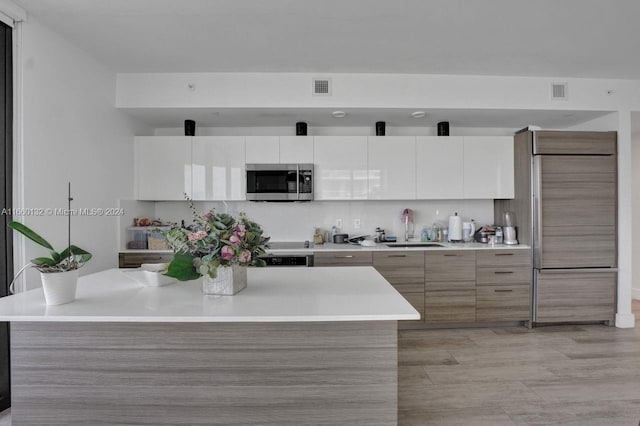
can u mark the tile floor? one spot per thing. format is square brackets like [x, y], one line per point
[562, 375]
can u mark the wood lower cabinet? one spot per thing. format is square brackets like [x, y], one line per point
[503, 302]
[134, 260]
[450, 302]
[450, 286]
[450, 265]
[343, 258]
[455, 286]
[503, 291]
[404, 271]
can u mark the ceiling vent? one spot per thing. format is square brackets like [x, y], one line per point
[321, 87]
[559, 91]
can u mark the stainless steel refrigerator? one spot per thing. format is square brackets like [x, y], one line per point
[571, 191]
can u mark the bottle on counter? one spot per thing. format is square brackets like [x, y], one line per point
[317, 236]
[499, 235]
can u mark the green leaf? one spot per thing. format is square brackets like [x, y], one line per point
[30, 234]
[76, 251]
[220, 225]
[181, 268]
[56, 256]
[261, 263]
[42, 261]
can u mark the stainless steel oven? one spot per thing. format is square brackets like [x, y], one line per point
[279, 182]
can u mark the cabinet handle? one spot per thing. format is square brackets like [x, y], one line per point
[504, 254]
[451, 255]
[503, 272]
[349, 256]
[397, 255]
[151, 258]
[503, 290]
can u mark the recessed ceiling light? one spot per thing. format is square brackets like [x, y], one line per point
[339, 114]
[418, 114]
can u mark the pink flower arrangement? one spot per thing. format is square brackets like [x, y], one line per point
[245, 256]
[197, 236]
[227, 253]
[219, 240]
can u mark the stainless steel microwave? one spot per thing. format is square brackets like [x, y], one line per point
[279, 182]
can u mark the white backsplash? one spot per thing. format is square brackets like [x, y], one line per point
[296, 221]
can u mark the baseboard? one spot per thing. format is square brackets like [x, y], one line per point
[625, 320]
[635, 293]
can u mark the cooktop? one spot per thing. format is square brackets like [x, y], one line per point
[284, 245]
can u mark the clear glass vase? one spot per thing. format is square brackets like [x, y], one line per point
[229, 281]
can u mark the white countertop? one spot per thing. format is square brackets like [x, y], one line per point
[383, 247]
[272, 295]
[377, 247]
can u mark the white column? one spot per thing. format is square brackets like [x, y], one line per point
[635, 212]
[624, 317]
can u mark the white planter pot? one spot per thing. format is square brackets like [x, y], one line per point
[59, 287]
[229, 281]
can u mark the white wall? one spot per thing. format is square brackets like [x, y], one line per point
[293, 90]
[601, 124]
[635, 158]
[296, 221]
[72, 132]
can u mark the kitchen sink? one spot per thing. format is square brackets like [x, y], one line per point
[409, 245]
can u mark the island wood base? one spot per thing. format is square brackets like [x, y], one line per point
[327, 373]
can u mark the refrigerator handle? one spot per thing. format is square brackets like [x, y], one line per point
[537, 212]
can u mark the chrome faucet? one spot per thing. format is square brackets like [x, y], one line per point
[407, 216]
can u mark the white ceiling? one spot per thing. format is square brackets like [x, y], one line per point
[567, 38]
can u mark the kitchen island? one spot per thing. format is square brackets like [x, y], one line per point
[298, 346]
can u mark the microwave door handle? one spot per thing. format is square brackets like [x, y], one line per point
[298, 181]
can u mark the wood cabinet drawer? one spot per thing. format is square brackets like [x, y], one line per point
[343, 258]
[519, 257]
[507, 275]
[448, 306]
[503, 303]
[577, 296]
[450, 265]
[134, 260]
[404, 270]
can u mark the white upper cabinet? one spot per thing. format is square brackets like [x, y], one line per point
[262, 149]
[219, 168]
[439, 162]
[346, 167]
[340, 167]
[392, 167]
[488, 167]
[162, 167]
[296, 149]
